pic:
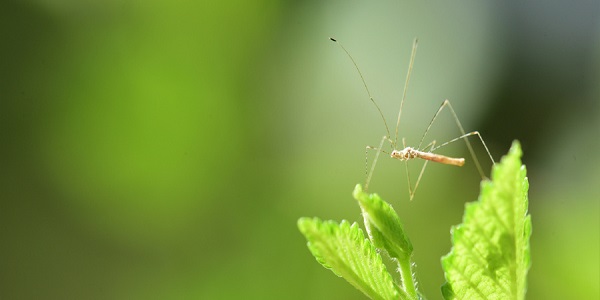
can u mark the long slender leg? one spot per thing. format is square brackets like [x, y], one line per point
[412, 191]
[369, 174]
[410, 67]
[407, 172]
[463, 136]
[429, 146]
[362, 78]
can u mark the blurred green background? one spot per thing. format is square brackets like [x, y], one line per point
[165, 149]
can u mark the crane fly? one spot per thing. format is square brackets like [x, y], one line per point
[409, 153]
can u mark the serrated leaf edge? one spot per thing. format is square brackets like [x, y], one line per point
[352, 247]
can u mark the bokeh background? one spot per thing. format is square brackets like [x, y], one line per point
[166, 149]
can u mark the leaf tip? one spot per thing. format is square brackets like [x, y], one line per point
[515, 149]
[301, 223]
[498, 226]
[358, 191]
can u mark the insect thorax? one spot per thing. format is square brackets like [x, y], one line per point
[404, 154]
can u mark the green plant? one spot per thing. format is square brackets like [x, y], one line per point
[489, 257]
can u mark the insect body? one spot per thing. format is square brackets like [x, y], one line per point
[410, 153]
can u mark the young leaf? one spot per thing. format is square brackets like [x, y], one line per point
[383, 225]
[386, 232]
[490, 253]
[344, 249]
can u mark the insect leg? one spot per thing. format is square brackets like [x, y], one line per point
[368, 173]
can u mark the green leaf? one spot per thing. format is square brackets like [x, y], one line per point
[490, 253]
[383, 225]
[344, 249]
[386, 232]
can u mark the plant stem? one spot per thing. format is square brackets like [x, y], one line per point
[408, 282]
